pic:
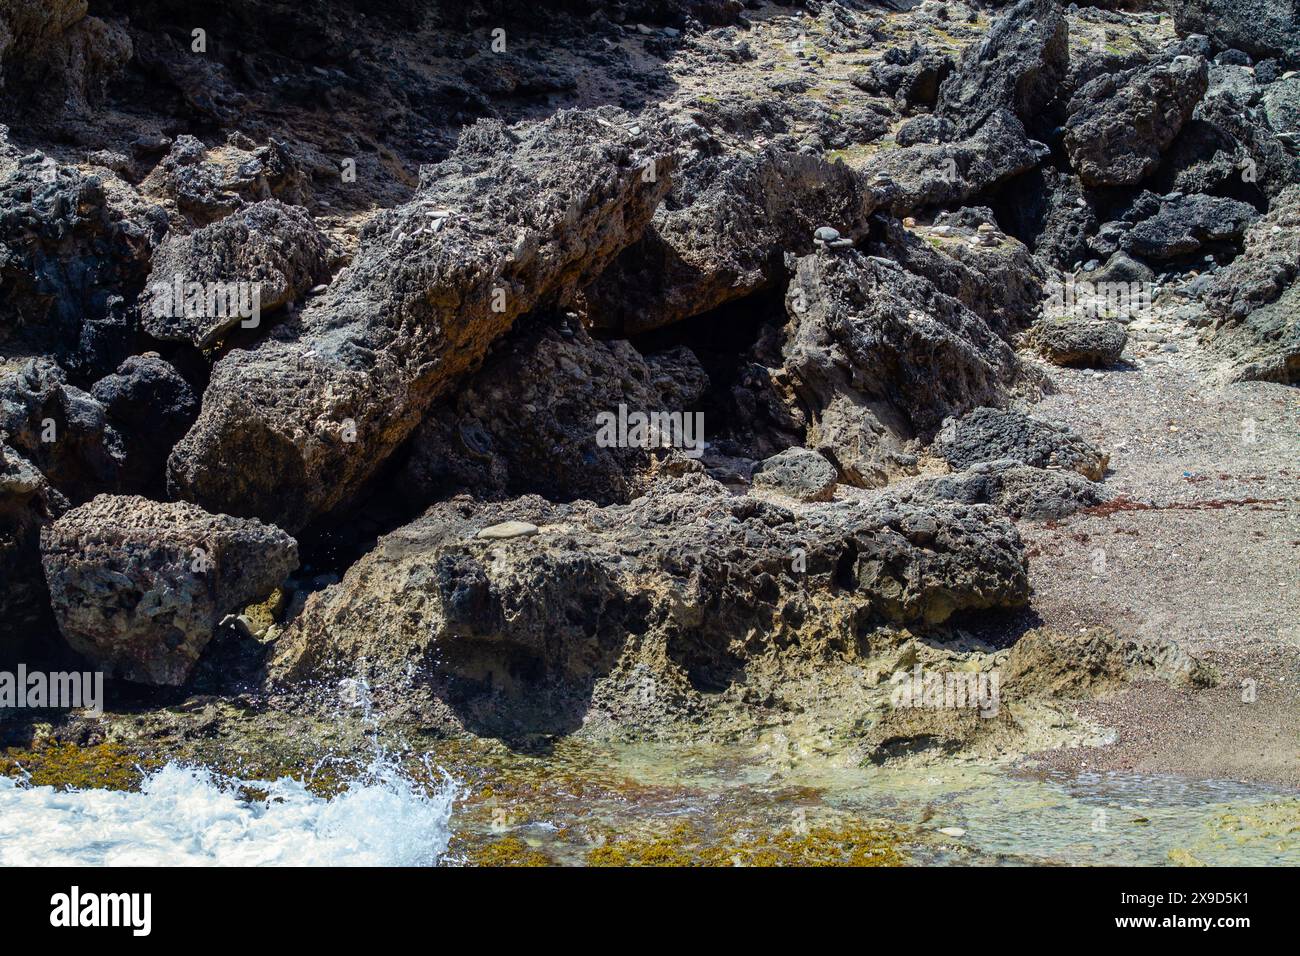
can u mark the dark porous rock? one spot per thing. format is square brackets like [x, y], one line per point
[1120, 124]
[1017, 66]
[879, 355]
[150, 406]
[529, 421]
[1121, 267]
[1052, 212]
[139, 586]
[275, 250]
[1092, 343]
[1255, 300]
[1000, 283]
[207, 184]
[927, 175]
[315, 410]
[1022, 491]
[687, 583]
[798, 473]
[926, 128]
[27, 503]
[70, 250]
[990, 434]
[1185, 224]
[1282, 105]
[1228, 148]
[909, 74]
[1262, 28]
[62, 429]
[722, 233]
[56, 60]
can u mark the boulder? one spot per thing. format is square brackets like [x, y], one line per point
[71, 248]
[876, 355]
[910, 75]
[1000, 282]
[267, 255]
[526, 220]
[150, 406]
[991, 434]
[139, 586]
[1186, 223]
[1254, 302]
[797, 473]
[56, 60]
[1022, 491]
[63, 430]
[1092, 343]
[722, 232]
[926, 174]
[1018, 66]
[206, 184]
[1120, 124]
[1262, 28]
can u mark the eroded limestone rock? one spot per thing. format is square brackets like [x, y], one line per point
[138, 586]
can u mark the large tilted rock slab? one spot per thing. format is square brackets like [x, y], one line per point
[509, 222]
[138, 586]
[877, 355]
[711, 579]
[1120, 124]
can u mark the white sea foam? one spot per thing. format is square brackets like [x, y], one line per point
[186, 816]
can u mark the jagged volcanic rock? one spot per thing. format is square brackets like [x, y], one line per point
[877, 355]
[991, 434]
[139, 586]
[313, 412]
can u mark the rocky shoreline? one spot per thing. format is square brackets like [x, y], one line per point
[936, 342]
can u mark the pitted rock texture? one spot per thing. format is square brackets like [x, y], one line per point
[540, 623]
[797, 473]
[1262, 28]
[991, 434]
[722, 233]
[312, 412]
[530, 420]
[1018, 66]
[139, 586]
[55, 57]
[64, 430]
[935, 174]
[268, 254]
[876, 356]
[1255, 301]
[1183, 225]
[207, 184]
[150, 405]
[1095, 343]
[1120, 124]
[71, 252]
[1020, 490]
